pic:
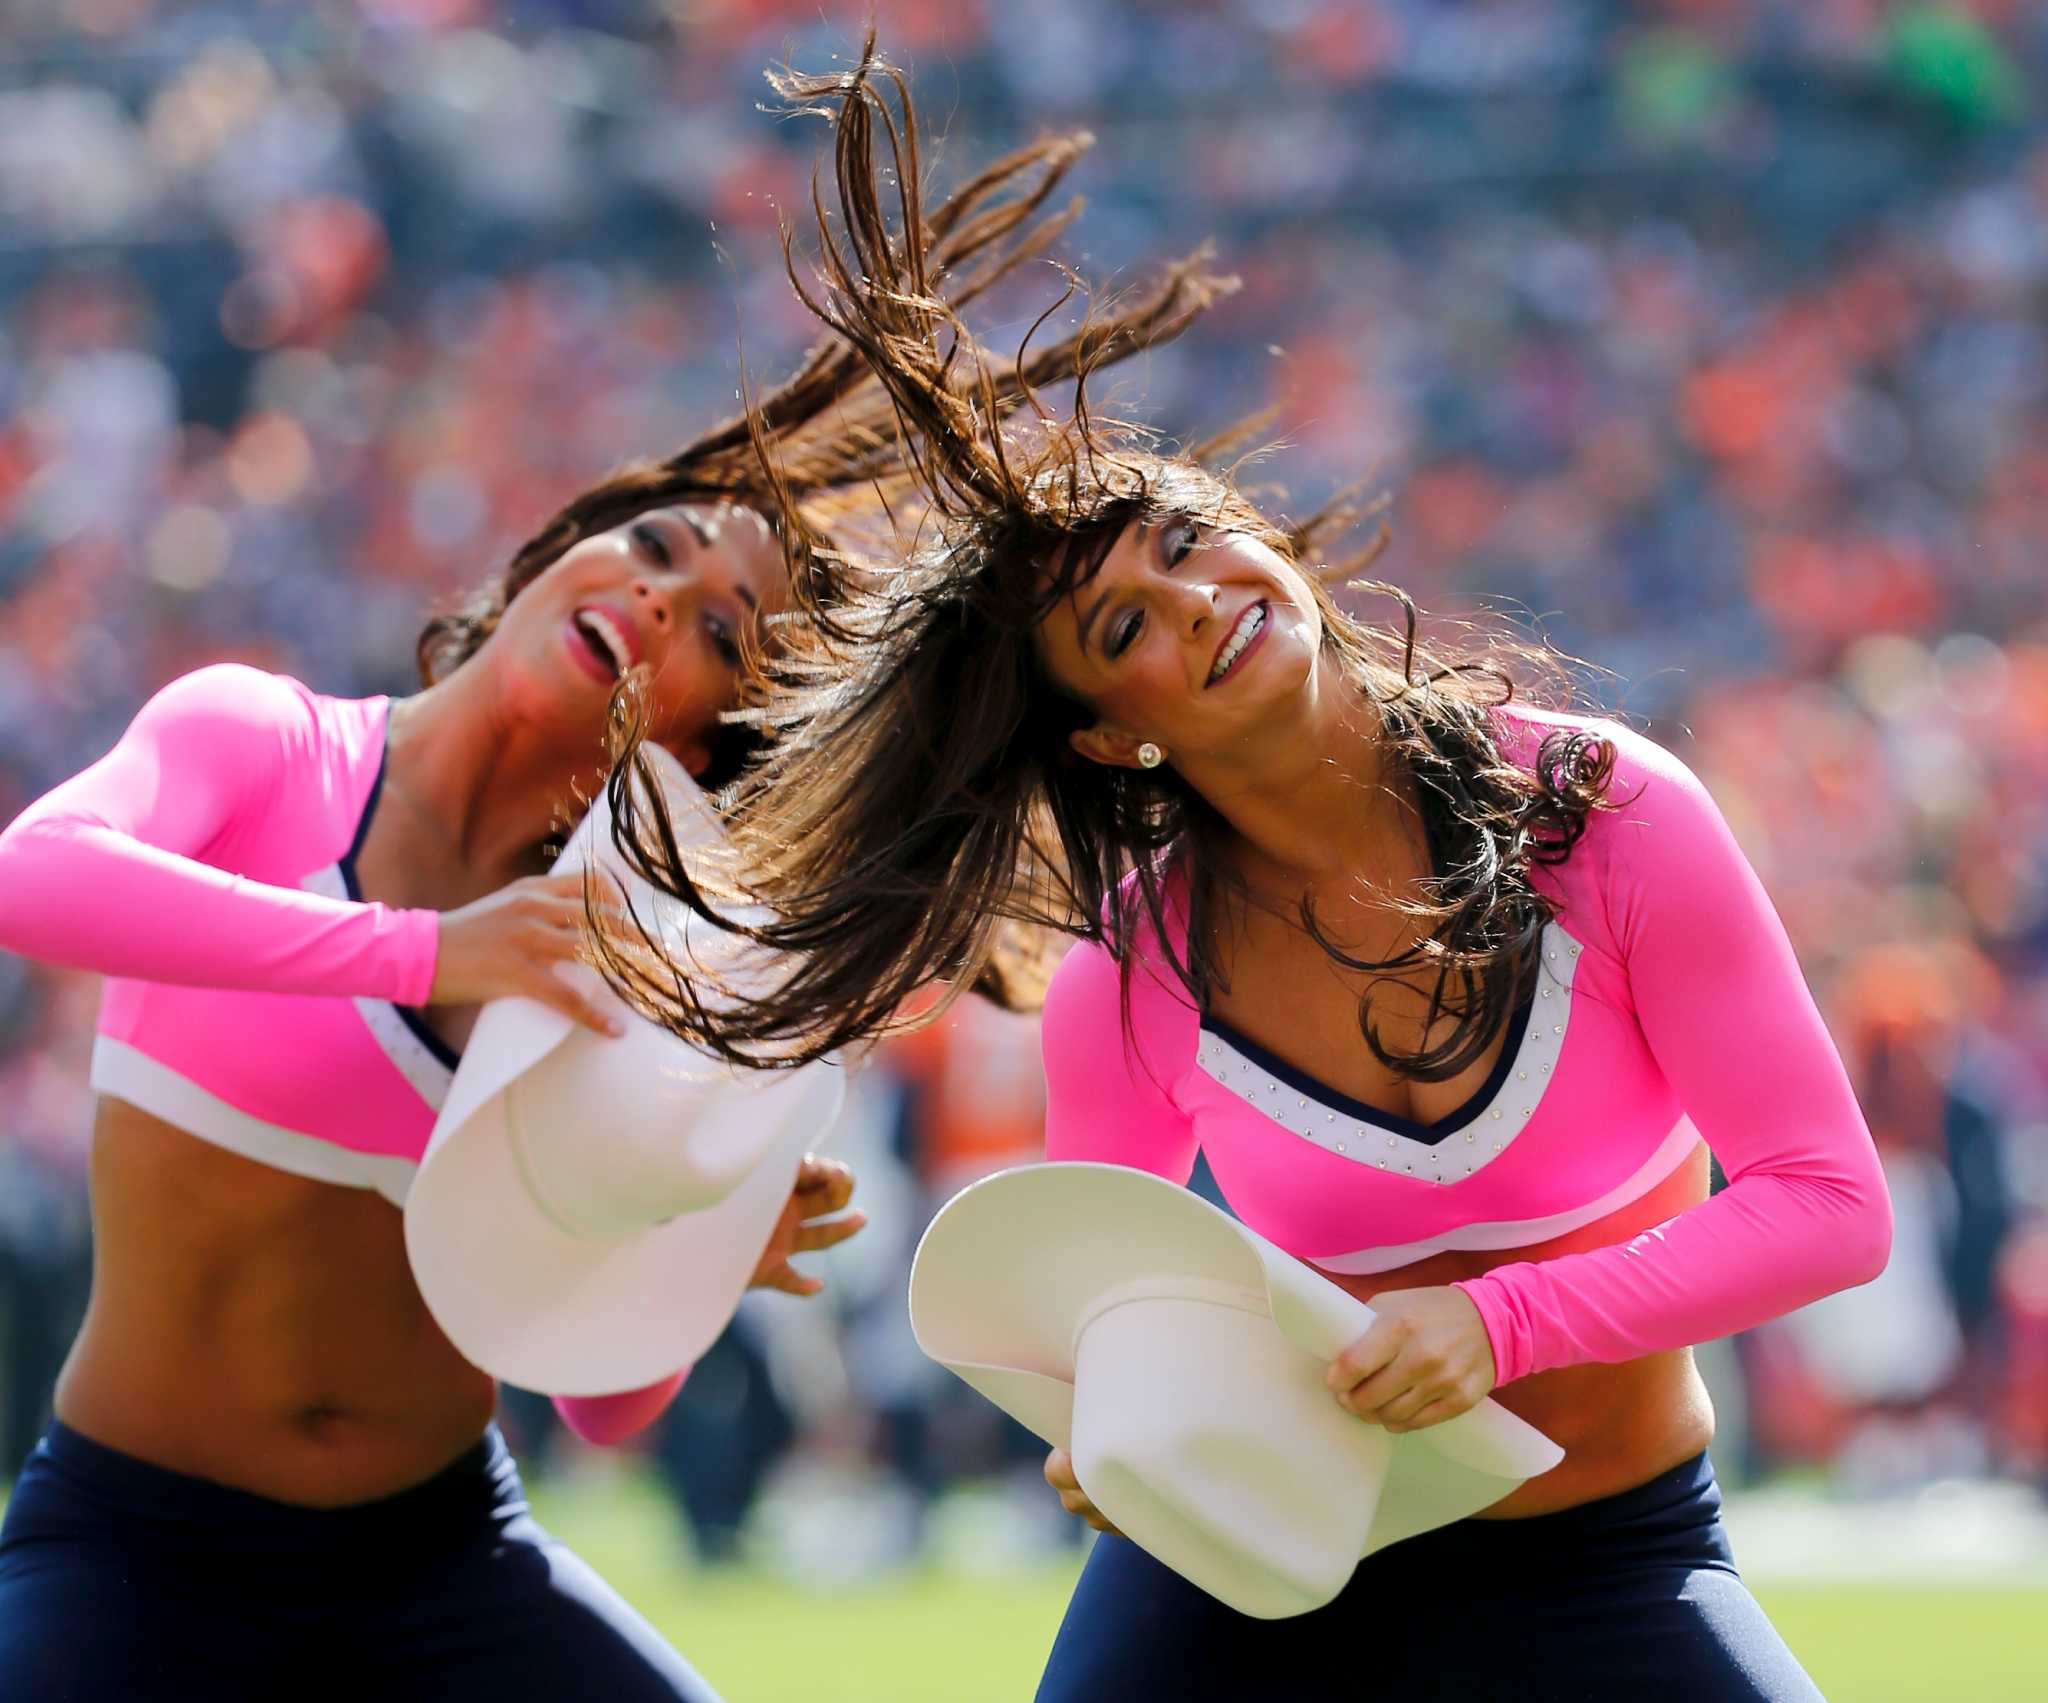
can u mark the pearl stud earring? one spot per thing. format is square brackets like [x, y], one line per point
[1150, 756]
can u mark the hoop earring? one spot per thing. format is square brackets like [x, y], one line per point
[1150, 756]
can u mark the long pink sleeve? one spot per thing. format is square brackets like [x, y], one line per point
[1729, 1020]
[110, 871]
[1106, 1096]
[606, 1420]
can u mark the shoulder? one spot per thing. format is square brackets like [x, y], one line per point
[225, 697]
[1657, 846]
[1086, 1011]
[256, 732]
[1671, 873]
[1085, 983]
[1088, 987]
[1649, 780]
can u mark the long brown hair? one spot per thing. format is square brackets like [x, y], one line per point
[920, 801]
[821, 456]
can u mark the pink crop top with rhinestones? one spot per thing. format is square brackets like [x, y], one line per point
[206, 867]
[1669, 1009]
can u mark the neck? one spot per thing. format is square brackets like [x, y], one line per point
[485, 788]
[1311, 798]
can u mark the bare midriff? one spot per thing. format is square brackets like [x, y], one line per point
[258, 1329]
[1620, 1425]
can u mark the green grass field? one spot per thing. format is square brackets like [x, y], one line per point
[925, 1637]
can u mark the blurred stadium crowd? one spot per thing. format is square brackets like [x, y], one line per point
[1706, 336]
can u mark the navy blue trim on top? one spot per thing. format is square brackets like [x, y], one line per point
[1334, 1100]
[408, 1015]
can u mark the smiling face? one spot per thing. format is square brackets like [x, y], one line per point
[682, 590]
[1188, 636]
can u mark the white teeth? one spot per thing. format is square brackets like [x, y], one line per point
[1248, 625]
[596, 621]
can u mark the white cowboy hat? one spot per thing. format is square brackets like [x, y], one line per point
[1179, 1357]
[590, 1209]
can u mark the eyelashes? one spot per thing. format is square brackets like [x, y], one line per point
[649, 538]
[717, 629]
[1178, 537]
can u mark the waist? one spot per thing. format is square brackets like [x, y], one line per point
[1618, 1424]
[1680, 1504]
[264, 1331]
[74, 1486]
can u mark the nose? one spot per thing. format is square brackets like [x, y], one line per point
[651, 603]
[663, 598]
[1193, 604]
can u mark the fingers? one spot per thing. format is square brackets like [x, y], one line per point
[1369, 1355]
[1415, 1391]
[1387, 1385]
[1436, 1412]
[1397, 1410]
[558, 902]
[790, 1281]
[825, 1184]
[822, 1189]
[586, 1013]
[805, 1238]
[1059, 1473]
[553, 988]
[810, 1238]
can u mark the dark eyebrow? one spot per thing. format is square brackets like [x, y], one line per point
[1088, 622]
[704, 540]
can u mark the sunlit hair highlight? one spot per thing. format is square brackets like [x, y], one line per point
[821, 456]
[920, 815]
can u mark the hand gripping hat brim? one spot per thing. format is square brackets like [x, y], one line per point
[1180, 1356]
[590, 1210]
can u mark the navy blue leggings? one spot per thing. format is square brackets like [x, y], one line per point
[121, 1580]
[1632, 1597]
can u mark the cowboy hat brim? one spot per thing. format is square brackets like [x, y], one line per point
[590, 1209]
[1012, 1268]
[567, 1314]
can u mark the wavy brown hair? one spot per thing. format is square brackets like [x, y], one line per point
[920, 802]
[822, 456]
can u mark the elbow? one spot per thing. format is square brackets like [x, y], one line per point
[19, 898]
[36, 841]
[1873, 1250]
[610, 1420]
[1862, 1243]
[602, 1430]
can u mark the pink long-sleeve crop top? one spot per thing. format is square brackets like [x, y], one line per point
[1669, 1008]
[206, 867]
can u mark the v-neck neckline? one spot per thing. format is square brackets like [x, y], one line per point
[1427, 1132]
[411, 1016]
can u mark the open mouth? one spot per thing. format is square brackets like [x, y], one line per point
[606, 642]
[1242, 637]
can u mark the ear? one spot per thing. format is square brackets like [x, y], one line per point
[1107, 745]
